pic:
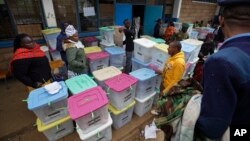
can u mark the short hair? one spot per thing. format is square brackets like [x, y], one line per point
[171, 23]
[18, 40]
[237, 15]
[177, 44]
[126, 20]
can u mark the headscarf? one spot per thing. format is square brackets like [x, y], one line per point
[70, 30]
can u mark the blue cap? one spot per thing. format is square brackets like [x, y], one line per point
[232, 2]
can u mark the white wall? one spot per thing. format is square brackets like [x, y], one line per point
[49, 12]
[177, 8]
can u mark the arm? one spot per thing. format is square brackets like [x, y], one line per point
[71, 57]
[219, 98]
[20, 70]
[178, 69]
[212, 48]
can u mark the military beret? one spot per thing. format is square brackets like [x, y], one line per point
[232, 2]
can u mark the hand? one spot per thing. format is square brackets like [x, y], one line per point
[153, 67]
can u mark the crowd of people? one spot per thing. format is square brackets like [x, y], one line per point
[224, 76]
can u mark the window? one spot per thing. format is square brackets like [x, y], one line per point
[6, 30]
[65, 11]
[87, 14]
[25, 11]
[27, 16]
[206, 1]
[106, 11]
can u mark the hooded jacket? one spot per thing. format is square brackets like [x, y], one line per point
[173, 71]
[76, 58]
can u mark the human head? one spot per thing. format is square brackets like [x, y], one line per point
[71, 32]
[63, 26]
[74, 37]
[174, 48]
[23, 41]
[209, 37]
[184, 27]
[126, 23]
[235, 17]
[159, 21]
[171, 23]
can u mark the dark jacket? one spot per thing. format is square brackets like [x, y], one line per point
[76, 59]
[59, 41]
[32, 70]
[130, 36]
[157, 30]
[226, 83]
[219, 37]
[207, 48]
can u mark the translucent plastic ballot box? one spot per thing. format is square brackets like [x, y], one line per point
[146, 82]
[105, 74]
[92, 49]
[57, 129]
[191, 49]
[49, 107]
[102, 133]
[189, 69]
[160, 55]
[89, 109]
[80, 83]
[104, 44]
[98, 60]
[90, 41]
[50, 36]
[144, 105]
[143, 49]
[108, 34]
[121, 90]
[117, 56]
[137, 64]
[121, 117]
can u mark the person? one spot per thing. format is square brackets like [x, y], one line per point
[174, 67]
[29, 64]
[74, 52]
[60, 40]
[201, 23]
[169, 32]
[157, 28]
[208, 46]
[226, 76]
[129, 32]
[181, 35]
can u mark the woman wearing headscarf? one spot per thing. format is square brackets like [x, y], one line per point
[74, 52]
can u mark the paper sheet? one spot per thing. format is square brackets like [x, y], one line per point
[150, 131]
[88, 11]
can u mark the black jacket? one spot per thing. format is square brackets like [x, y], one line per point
[32, 70]
[130, 36]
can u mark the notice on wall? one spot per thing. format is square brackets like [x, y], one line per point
[88, 11]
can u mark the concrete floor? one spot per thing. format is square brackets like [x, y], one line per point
[17, 123]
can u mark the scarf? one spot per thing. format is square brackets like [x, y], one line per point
[24, 53]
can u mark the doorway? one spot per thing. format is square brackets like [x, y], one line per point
[138, 11]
